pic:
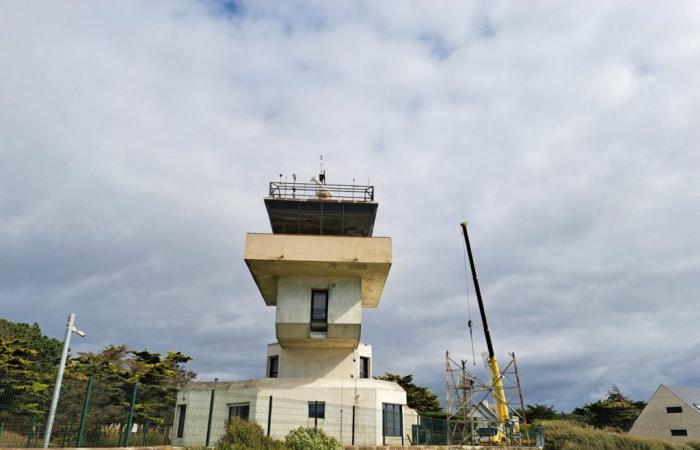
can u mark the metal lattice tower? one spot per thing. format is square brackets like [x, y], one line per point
[468, 400]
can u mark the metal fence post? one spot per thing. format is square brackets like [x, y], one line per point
[130, 419]
[315, 415]
[269, 416]
[30, 433]
[211, 413]
[401, 422]
[353, 426]
[383, 426]
[83, 416]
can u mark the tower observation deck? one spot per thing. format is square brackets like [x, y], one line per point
[321, 209]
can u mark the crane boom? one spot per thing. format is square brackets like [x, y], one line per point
[499, 394]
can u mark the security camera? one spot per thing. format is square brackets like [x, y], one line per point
[80, 333]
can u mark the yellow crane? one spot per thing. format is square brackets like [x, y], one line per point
[502, 414]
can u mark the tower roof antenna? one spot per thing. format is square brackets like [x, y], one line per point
[322, 173]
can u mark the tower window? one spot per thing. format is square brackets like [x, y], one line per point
[317, 410]
[181, 410]
[674, 409]
[319, 310]
[679, 432]
[273, 366]
[364, 367]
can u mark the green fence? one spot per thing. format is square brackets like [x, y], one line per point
[90, 413]
[429, 431]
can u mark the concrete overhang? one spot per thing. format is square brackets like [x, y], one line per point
[271, 256]
[339, 335]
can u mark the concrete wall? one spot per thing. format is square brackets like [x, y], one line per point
[294, 299]
[319, 362]
[655, 422]
[290, 398]
[271, 257]
[292, 324]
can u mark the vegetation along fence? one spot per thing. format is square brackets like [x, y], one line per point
[97, 413]
[89, 414]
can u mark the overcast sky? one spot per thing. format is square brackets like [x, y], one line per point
[137, 141]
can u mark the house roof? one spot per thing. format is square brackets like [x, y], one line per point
[689, 395]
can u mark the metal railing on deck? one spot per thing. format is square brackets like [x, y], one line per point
[353, 192]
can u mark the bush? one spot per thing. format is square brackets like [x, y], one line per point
[568, 435]
[244, 435]
[310, 439]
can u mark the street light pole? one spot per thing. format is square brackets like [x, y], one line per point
[70, 328]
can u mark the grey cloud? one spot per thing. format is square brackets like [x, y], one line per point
[137, 141]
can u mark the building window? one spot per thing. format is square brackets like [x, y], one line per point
[240, 410]
[317, 410]
[364, 367]
[391, 419]
[679, 432]
[674, 409]
[273, 366]
[319, 310]
[181, 410]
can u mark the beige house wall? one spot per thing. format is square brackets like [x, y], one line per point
[655, 422]
[290, 407]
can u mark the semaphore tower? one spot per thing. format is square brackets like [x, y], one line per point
[320, 267]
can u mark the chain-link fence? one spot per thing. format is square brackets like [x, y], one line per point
[201, 418]
[89, 414]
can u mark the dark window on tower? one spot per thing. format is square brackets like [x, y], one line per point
[391, 419]
[364, 367]
[181, 410]
[679, 432]
[317, 410]
[273, 366]
[319, 310]
[241, 410]
[674, 409]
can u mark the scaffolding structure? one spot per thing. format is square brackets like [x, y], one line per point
[471, 419]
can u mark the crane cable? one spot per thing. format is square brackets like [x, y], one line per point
[469, 308]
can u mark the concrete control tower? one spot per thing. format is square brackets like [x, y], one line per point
[320, 267]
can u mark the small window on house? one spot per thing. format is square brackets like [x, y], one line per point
[364, 367]
[181, 411]
[679, 432]
[240, 410]
[674, 409]
[317, 410]
[391, 419]
[273, 366]
[319, 310]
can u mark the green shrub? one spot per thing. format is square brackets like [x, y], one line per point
[310, 439]
[244, 435]
[568, 435]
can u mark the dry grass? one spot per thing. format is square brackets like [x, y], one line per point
[568, 435]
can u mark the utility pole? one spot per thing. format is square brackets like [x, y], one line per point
[70, 328]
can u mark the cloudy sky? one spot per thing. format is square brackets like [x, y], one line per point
[137, 140]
